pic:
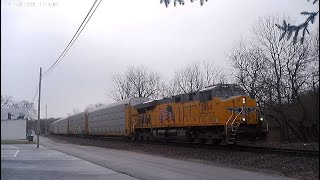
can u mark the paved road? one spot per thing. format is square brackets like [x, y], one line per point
[144, 166]
[25, 161]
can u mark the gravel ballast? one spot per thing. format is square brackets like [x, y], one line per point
[291, 166]
[286, 145]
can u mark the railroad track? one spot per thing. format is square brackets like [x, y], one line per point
[239, 148]
[243, 148]
[295, 152]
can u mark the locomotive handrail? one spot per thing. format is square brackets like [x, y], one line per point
[134, 124]
[235, 119]
[227, 126]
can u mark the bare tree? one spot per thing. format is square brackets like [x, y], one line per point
[32, 112]
[312, 102]
[92, 106]
[75, 111]
[9, 102]
[22, 104]
[143, 83]
[136, 82]
[189, 78]
[212, 74]
[122, 87]
[276, 73]
[6, 101]
[168, 89]
[314, 69]
[249, 63]
[197, 75]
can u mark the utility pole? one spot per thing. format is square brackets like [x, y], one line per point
[38, 129]
[45, 127]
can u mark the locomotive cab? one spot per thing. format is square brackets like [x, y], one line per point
[239, 112]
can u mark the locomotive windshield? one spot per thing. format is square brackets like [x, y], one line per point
[222, 91]
[228, 92]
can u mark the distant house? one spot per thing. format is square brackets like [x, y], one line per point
[13, 123]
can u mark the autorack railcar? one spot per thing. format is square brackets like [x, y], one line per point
[113, 119]
[77, 124]
[108, 120]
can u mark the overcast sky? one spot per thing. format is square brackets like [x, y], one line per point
[119, 34]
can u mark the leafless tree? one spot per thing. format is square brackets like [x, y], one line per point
[189, 78]
[276, 73]
[213, 74]
[249, 63]
[31, 113]
[168, 89]
[75, 111]
[22, 104]
[122, 87]
[312, 102]
[314, 81]
[92, 106]
[136, 82]
[196, 76]
[6, 101]
[267, 38]
[9, 102]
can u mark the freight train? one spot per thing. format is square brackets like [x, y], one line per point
[220, 113]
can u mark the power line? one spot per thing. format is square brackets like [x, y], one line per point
[74, 38]
[77, 35]
[69, 45]
[81, 29]
[71, 42]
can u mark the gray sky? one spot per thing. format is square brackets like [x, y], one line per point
[119, 34]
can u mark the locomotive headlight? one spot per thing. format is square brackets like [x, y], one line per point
[243, 100]
[261, 119]
[243, 119]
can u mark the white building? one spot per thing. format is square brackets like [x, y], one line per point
[13, 123]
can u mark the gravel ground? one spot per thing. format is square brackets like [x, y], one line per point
[291, 166]
[285, 145]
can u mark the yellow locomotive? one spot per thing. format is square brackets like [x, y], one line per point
[217, 113]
